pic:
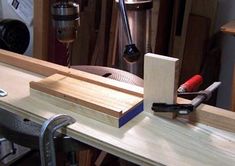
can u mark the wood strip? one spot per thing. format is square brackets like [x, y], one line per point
[109, 101]
[41, 28]
[195, 46]
[160, 79]
[99, 51]
[113, 33]
[146, 140]
[75, 108]
[47, 69]
[212, 116]
[218, 118]
[100, 158]
[164, 27]
[178, 40]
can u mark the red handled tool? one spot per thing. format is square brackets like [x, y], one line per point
[191, 85]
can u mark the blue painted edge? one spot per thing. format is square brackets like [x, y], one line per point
[131, 114]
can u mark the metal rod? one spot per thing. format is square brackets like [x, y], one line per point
[198, 100]
[125, 20]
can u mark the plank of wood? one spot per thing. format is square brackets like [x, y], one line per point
[96, 97]
[208, 9]
[35, 66]
[99, 51]
[75, 108]
[155, 23]
[145, 140]
[160, 79]
[41, 28]
[229, 27]
[113, 35]
[195, 46]
[179, 36]
[100, 158]
[164, 27]
[47, 69]
[212, 116]
[87, 157]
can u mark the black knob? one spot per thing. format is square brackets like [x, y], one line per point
[131, 53]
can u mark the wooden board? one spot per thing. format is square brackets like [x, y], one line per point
[92, 100]
[160, 79]
[163, 26]
[195, 46]
[229, 28]
[212, 116]
[40, 29]
[208, 9]
[47, 69]
[145, 140]
[35, 66]
[179, 30]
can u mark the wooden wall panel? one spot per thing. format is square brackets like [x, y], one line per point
[41, 27]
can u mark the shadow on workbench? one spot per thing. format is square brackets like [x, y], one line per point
[33, 159]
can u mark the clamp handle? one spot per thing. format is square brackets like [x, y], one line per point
[180, 109]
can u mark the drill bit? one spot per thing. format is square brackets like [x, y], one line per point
[69, 53]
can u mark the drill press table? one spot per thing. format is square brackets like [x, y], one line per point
[145, 140]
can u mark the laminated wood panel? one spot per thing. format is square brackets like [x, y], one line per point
[47, 69]
[209, 115]
[92, 99]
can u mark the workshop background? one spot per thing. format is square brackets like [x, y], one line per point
[95, 36]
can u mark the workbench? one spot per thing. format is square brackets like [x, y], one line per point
[145, 140]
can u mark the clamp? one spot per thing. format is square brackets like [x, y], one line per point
[185, 109]
[46, 138]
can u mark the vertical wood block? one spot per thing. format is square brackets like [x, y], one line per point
[160, 81]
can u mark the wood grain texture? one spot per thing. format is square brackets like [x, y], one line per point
[178, 40]
[76, 108]
[160, 79]
[229, 27]
[35, 66]
[145, 140]
[208, 9]
[195, 46]
[113, 33]
[212, 116]
[164, 27]
[96, 97]
[47, 69]
[41, 28]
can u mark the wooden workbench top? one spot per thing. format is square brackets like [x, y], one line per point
[145, 140]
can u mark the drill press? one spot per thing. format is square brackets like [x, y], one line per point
[66, 21]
